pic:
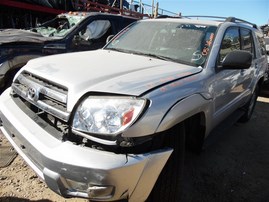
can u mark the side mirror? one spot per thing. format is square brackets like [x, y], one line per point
[237, 59]
[109, 38]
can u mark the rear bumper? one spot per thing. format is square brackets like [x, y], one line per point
[75, 171]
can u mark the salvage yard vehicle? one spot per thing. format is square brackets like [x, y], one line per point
[73, 31]
[114, 124]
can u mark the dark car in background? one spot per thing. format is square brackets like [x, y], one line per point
[69, 32]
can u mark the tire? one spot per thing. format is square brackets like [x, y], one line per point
[168, 186]
[8, 79]
[249, 107]
[194, 133]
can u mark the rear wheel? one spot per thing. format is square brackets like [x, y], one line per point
[168, 186]
[249, 107]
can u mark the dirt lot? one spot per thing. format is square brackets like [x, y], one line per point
[233, 167]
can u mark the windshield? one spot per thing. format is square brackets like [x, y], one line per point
[174, 41]
[59, 26]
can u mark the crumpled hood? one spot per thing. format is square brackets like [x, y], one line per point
[19, 35]
[107, 71]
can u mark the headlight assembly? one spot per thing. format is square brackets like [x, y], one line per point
[107, 115]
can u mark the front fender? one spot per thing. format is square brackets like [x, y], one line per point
[186, 108]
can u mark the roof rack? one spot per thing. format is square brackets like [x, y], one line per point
[233, 19]
[204, 16]
[168, 16]
[226, 19]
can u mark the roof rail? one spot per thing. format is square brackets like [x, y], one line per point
[168, 16]
[226, 19]
[204, 16]
[233, 19]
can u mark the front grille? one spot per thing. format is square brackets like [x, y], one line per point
[46, 104]
[45, 95]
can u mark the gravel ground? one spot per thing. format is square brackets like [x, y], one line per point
[233, 167]
[19, 183]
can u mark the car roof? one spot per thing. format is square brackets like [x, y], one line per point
[205, 20]
[187, 21]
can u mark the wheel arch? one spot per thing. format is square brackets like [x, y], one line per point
[185, 109]
[260, 82]
[193, 112]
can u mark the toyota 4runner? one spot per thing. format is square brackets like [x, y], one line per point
[113, 124]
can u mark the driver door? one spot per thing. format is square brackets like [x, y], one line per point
[231, 85]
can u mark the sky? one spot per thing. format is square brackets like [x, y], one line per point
[255, 11]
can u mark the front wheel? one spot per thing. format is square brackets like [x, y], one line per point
[8, 78]
[168, 185]
[249, 107]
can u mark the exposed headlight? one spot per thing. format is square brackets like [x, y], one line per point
[107, 115]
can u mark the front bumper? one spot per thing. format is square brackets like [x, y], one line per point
[75, 171]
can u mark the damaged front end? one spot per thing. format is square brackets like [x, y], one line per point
[71, 162]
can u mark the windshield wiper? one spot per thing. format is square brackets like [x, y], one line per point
[164, 58]
[151, 55]
[139, 53]
[119, 50]
[161, 57]
[157, 56]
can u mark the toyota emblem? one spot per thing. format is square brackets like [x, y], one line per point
[32, 93]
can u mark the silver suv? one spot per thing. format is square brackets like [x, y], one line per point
[113, 124]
